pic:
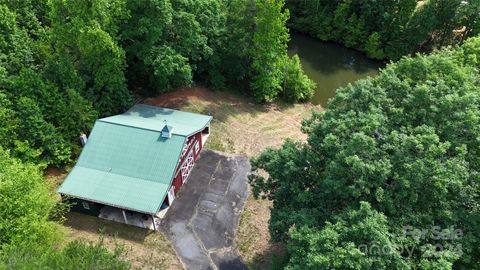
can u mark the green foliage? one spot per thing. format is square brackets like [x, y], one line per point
[170, 69]
[25, 204]
[273, 73]
[405, 142]
[40, 133]
[344, 244]
[42, 114]
[8, 122]
[296, 85]
[84, 32]
[387, 29]
[168, 44]
[373, 47]
[236, 42]
[15, 46]
[166, 41]
[75, 255]
[469, 53]
[28, 236]
[269, 46]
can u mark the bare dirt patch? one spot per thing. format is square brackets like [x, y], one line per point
[55, 176]
[242, 126]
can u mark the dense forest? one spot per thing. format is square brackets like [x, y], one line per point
[389, 177]
[387, 29]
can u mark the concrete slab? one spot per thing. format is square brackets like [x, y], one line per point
[133, 218]
[203, 220]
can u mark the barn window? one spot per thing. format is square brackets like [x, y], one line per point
[86, 205]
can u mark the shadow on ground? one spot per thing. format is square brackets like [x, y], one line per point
[97, 225]
[274, 257]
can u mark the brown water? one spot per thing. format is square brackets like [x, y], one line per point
[330, 65]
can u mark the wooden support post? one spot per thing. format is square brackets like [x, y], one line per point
[124, 217]
[153, 221]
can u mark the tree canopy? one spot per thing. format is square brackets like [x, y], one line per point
[388, 29]
[391, 155]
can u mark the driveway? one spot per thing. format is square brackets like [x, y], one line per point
[203, 219]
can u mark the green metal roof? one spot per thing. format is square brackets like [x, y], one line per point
[128, 165]
[153, 118]
[128, 192]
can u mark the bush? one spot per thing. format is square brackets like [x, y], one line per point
[296, 84]
[373, 47]
[25, 205]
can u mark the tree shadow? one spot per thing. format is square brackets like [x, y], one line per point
[220, 104]
[271, 258]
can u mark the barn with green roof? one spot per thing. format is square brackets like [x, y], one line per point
[135, 163]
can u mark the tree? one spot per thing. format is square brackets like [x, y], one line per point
[40, 135]
[269, 45]
[170, 69]
[25, 205]
[8, 122]
[358, 240]
[237, 41]
[296, 85]
[84, 32]
[373, 47]
[15, 45]
[405, 143]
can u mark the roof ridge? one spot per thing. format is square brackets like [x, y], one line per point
[133, 126]
[170, 109]
[152, 118]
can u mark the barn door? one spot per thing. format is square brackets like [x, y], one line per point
[187, 167]
[171, 195]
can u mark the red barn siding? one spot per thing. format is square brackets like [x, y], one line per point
[192, 140]
[177, 183]
[198, 138]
